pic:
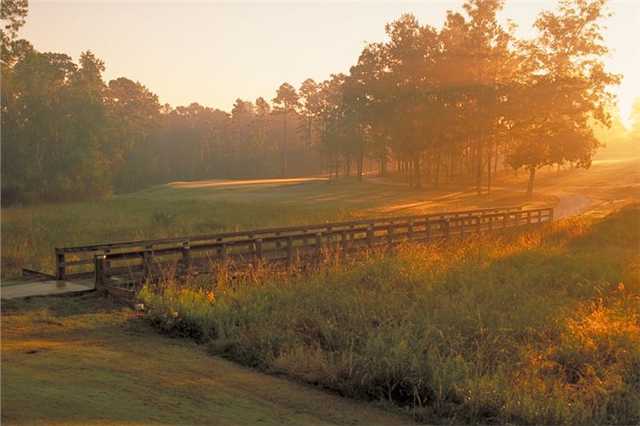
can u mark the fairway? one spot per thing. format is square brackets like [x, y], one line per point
[82, 361]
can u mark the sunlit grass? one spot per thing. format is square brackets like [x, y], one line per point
[30, 233]
[535, 327]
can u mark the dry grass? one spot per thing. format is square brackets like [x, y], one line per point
[536, 327]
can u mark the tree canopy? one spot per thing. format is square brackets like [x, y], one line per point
[440, 106]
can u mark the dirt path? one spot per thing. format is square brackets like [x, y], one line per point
[581, 190]
[571, 204]
[73, 361]
[571, 192]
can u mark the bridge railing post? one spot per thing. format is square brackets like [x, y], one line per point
[61, 268]
[147, 259]
[289, 251]
[319, 244]
[343, 241]
[100, 262]
[258, 248]
[186, 256]
[370, 235]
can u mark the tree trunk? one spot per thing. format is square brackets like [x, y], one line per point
[489, 152]
[437, 178]
[532, 176]
[478, 169]
[283, 170]
[451, 166]
[360, 162]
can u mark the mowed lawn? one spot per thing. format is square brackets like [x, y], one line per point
[81, 361]
[30, 233]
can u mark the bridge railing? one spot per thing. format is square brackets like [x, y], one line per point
[143, 258]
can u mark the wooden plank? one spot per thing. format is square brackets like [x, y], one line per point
[44, 288]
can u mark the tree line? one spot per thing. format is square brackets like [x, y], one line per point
[437, 106]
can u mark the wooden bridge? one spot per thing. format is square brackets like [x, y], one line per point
[136, 261]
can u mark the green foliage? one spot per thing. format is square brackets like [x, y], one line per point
[54, 129]
[447, 105]
[540, 327]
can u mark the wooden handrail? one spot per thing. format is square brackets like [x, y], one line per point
[262, 231]
[286, 240]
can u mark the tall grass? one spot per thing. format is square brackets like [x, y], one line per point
[537, 327]
[30, 234]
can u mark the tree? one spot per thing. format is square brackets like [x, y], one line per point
[566, 87]
[309, 109]
[13, 14]
[364, 103]
[286, 102]
[55, 129]
[133, 112]
[445, 104]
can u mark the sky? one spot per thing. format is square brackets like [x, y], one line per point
[213, 52]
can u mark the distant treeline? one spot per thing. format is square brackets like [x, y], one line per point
[441, 105]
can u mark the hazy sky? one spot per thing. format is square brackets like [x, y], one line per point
[215, 52]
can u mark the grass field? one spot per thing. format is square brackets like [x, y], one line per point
[541, 327]
[81, 361]
[30, 233]
[526, 329]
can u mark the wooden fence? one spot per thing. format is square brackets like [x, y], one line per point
[139, 260]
